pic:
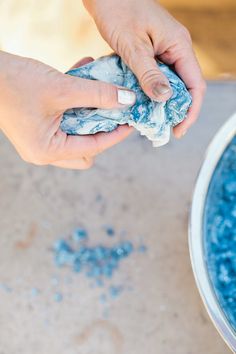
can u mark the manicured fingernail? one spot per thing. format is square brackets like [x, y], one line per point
[161, 89]
[126, 97]
[184, 132]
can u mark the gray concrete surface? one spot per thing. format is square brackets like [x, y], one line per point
[146, 192]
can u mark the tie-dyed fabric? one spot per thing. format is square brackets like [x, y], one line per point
[152, 119]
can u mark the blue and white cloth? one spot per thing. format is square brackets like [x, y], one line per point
[152, 119]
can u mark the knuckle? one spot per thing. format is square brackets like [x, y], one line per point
[97, 149]
[184, 33]
[106, 95]
[132, 50]
[150, 75]
[88, 164]
[37, 156]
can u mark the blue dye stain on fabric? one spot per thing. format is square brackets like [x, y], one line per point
[220, 232]
[151, 118]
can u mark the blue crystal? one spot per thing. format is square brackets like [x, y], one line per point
[110, 231]
[58, 297]
[34, 292]
[79, 234]
[115, 291]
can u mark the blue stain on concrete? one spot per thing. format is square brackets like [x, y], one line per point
[35, 292]
[115, 291]
[220, 232]
[142, 248]
[58, 297]
[5, 287]
[103, 298]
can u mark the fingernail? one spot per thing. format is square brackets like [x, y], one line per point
[184, 132]
[161, 89]
[126, 97]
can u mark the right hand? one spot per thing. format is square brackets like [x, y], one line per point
[141, 31]
[33, 99]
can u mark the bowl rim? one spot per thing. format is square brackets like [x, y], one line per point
[213, 154]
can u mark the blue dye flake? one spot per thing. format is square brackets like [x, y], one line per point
[220, 232]
[115, 291]
[6, 288]
[55, 281]
[103, 298]
[79, 234]
[34, 292]
[110, 231]
[142, 249]
[58, 297]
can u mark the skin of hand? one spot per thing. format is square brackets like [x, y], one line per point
[32, 101]
[141, 31]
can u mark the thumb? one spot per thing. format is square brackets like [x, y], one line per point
[153, 82]
[79, 92]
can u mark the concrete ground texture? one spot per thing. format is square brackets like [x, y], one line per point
[142, 191]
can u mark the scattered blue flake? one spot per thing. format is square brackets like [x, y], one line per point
[220, 232]
[35, 292]
[55, 281]
[79, 234]
[5, 287]
[110, 231]
[103, 298]
[106, 313]
[99, 282]
[98, 197]
[115, 291]
[62, 245]
[142, 249]
[58, 297]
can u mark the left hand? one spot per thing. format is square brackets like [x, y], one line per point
[142, 30]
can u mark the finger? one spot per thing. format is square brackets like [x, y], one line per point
[78, 92]
[181, 129]
[82, 62]
[79, 164]
[74, 147]
[140, 59]
[188, 69]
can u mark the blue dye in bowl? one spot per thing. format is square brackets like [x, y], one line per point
[220, 232]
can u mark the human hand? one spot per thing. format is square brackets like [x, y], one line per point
[140, 31]
[33, 99]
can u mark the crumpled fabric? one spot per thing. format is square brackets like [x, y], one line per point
[151, 118]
